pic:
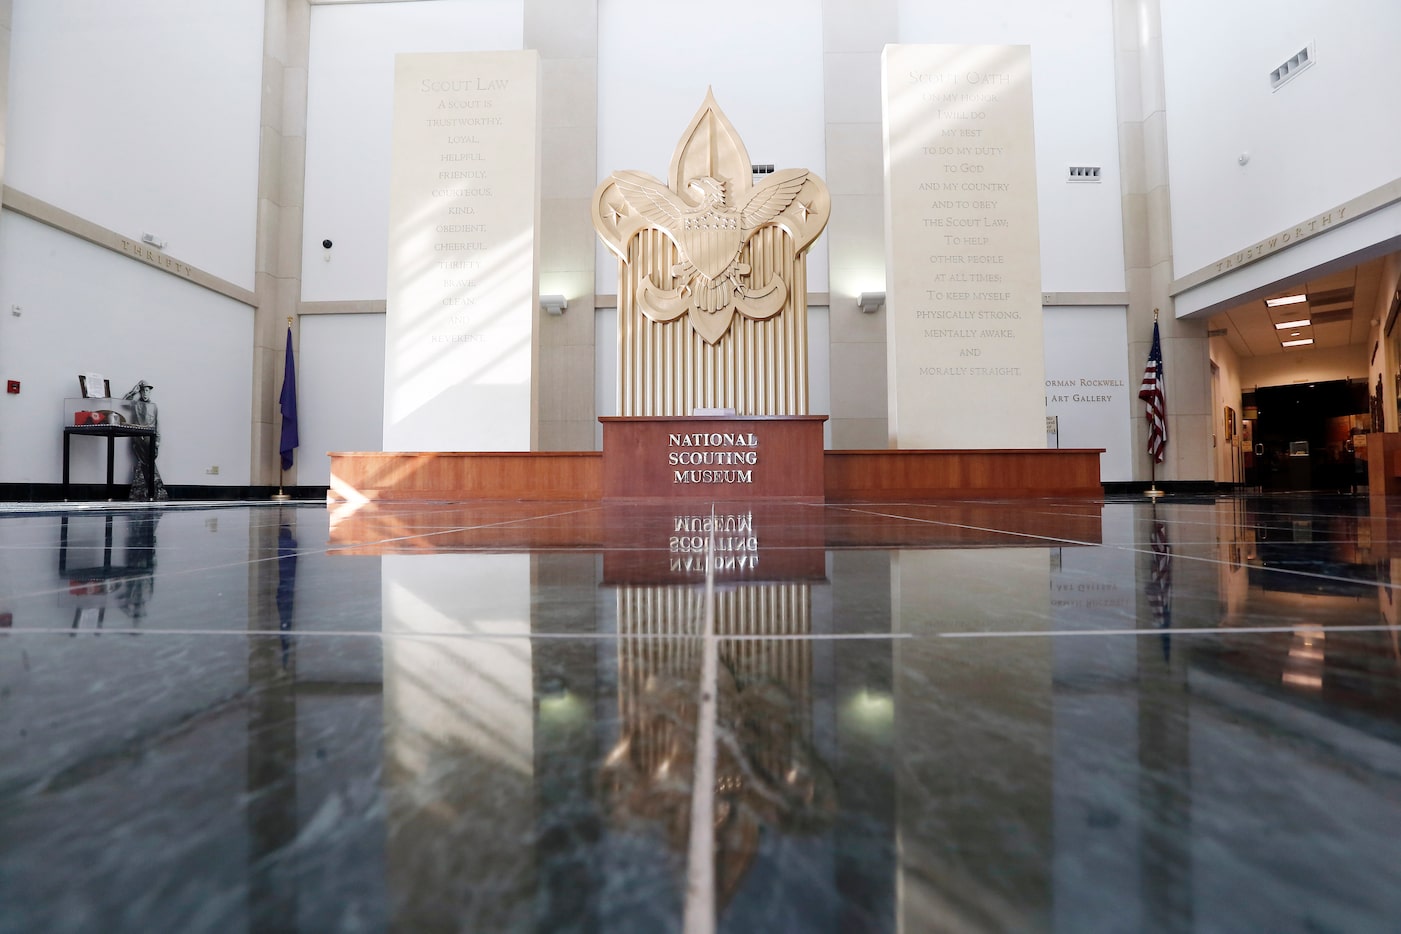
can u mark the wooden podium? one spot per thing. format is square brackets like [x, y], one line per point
[721, 458]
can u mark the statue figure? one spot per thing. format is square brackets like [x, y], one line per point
[144, 450]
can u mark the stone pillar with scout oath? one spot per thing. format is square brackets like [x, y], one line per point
[963, 255]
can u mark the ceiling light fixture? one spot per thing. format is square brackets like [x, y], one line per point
[1286, 325]
[1298, 343]
[1286, 300]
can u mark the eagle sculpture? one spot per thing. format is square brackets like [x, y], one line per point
[710, 235]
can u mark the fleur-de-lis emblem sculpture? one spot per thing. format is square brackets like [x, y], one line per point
[710, 212]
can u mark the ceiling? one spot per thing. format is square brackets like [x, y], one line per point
[1340, 309]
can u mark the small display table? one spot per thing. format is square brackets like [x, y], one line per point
[111, 433]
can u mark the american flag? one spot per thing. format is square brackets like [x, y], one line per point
[1159, 589]
[1153, 392]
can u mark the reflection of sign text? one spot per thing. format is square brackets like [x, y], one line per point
[736, 545]
[1089, 596]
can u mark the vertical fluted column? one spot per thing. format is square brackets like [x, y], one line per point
[1148, 272]
[853, 34]
[6, 15]
[278, 265]
[565, 32]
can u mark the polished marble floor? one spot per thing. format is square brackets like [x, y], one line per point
[1031, 716]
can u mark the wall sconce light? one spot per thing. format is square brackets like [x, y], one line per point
[553, 304]
[870, 302]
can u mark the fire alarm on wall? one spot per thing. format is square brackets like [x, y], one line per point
[12, 386]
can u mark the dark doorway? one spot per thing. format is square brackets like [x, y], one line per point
[1304, 434]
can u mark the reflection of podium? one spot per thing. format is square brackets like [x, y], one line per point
[103, 418]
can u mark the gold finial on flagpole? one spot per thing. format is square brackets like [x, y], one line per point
[289, 318]
[1155, 317]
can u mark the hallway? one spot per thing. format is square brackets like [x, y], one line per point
[1036, 715]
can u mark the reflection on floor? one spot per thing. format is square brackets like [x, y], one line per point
[1071, 716]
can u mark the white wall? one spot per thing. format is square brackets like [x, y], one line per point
[1316, 142]
[350, 88]
[1305, 366]
[1228, 392]
[340, 390]
[820, 367]
[142, 116]
[1085, 347]
[88, 309]
[764, 63]
[1072, 62]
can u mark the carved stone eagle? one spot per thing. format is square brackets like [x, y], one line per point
[709, 236]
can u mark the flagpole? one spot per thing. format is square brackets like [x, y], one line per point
[1153, 492]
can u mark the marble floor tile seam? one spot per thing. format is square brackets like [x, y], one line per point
[445, 634]
[1057, 542]
[300, 552]
[1047, 540]
[1291, 573]
[171, 575]
[58, 508]
[1170, 511]
[315, 634]
[1210, 522]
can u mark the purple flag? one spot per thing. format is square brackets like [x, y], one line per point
[288, 400]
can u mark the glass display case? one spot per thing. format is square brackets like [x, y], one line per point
[99, 411]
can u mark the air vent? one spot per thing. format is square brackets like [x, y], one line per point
[763, 169]
[1330, 296]
[1332, 317]
[1084, 173]
[1297, 62]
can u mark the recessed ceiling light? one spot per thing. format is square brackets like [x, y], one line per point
[1298, 343]
[1294, 333]
[1286, 325]
[1286, 300]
